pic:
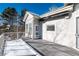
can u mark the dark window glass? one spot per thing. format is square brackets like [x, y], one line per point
[51, 28]
[36, 33]
[37, 28]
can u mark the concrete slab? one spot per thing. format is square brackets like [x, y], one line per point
[51, 49]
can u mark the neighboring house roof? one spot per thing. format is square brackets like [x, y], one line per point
[58, 11]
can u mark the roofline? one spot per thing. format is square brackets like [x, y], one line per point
[55, 16]
[60, 10]
[33, 14]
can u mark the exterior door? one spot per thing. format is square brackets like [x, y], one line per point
[37, 31]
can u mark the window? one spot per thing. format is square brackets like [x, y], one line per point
[26, 29]
[50, 27]
[37, 33]
[37, 28]
[30, 28]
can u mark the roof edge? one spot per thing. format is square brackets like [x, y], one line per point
[60, 10]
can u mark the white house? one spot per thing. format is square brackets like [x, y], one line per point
[33, 27]
[62, 26]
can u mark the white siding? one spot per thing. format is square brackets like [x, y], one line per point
[65, 31]
[29, 20]
[49, 35]
[33, 21]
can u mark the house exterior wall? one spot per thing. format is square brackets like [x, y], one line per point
[37, 28]
[29, 23]
[30, 26]
[65, 31]
[48, 35]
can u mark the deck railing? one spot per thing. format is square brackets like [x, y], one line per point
[13, 35]
[2, 43]
[9, 36]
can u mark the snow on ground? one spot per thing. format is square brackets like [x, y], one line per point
[18, 48]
